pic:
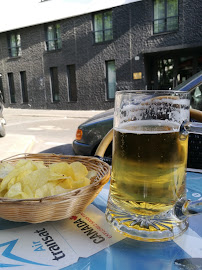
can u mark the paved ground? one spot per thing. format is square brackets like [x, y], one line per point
[50, 113]
[13, 144]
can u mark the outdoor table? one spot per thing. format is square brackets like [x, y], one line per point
[185, 252]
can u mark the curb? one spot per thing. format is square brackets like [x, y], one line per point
[50, 113]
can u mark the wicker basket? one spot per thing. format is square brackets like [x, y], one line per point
[60, 206]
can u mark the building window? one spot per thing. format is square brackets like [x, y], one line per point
[111, 79]
[23, 80]
[103, 30]
[71, 83]
[14, 45]
[11, 87]
[165, 15]
[54, 84]
[53, 37]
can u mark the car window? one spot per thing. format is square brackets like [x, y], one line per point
[196, 98]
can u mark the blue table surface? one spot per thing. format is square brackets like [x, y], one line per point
[131, 254]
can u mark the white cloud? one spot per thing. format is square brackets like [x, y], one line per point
[21, 13]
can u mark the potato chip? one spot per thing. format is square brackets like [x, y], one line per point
[28, 191]
[40, 177]
[91, 174]
[18, 177]
[81, 183]
[50, 189]
[67, 183]
[29, 164]
[7, 179]
[11, 183]
[32, 179]
[15, 192]
[45, 190]
[20, 167]
[59, 190]
[5, 168]
[62, 168]
[79, 169]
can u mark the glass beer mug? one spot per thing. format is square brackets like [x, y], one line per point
[147, 197]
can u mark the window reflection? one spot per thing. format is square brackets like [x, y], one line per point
[53, 36]
[165, 15]
[14, 45]
[103, 26]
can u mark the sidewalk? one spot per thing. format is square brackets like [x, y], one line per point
[13, 144]
[50, 113]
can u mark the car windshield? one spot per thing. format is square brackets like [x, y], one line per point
[194, 85]
[191, 83]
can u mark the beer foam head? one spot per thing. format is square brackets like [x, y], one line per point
[149, 127]
[169, 108]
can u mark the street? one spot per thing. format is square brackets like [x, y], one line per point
[35, 131]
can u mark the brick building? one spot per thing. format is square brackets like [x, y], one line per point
[78, 62]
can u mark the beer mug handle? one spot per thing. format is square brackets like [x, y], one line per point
[186, 208]
[103, 145]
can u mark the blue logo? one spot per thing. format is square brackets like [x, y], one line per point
[7, 253]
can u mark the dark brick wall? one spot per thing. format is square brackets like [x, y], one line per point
[133, 37]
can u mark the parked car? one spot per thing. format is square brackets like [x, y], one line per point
[90, 133]
[2, 120]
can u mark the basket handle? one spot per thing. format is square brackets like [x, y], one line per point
[194, 114]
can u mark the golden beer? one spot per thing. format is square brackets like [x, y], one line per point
[148, 169]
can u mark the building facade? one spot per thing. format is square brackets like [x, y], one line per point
[78, 63]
